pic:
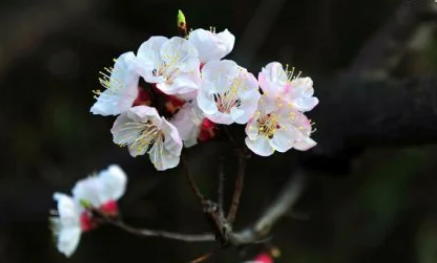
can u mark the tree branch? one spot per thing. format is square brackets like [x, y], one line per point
[382, 52]
[278, 208]
[360, 112]
[221, 185]
[239, 183]
[255, 234]
[164, 234]
[192, 182]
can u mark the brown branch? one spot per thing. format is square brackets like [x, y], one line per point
[220, 185]
[284, 201]
[256, 234]
[359, 112]
[382, 52]
[163, 234]
[239, 183]
[231, 138]
[192, 182]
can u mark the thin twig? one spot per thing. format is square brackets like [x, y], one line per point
[277, 209]
[239, 183]
[202, 258]
[288, 197]
[231, 138]
[220, 185]
[251, 235]
[383, 51]
[157, 233]
[192, 182]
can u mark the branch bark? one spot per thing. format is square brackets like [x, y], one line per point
[385, 48]
[238, 190]
[359, 112]
[250, 235]
[157, 233]
[277, 209]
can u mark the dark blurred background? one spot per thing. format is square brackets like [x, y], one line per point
[372, 195]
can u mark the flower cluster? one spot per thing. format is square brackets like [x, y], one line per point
[173, 92]
[76, 213]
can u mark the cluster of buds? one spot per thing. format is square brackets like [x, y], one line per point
[77, 213]
[173, 92]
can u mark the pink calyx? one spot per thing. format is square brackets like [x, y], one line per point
[263, 258]
[86, 222]
[110, 208]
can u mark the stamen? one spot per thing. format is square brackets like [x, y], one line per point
[212, 29]
[290, 73]
[268, 125]
[313, 129]
[142, 137]
[169, 69]
[229, 99]
[108, 81]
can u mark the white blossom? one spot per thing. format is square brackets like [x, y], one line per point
[277, 82]
[211, 45]
[74, 216]
[228, 94]
[188, 122]
[276, 126]
[143, 130]
[121, 87]
[172, 64]
[102, 189]
[303, 128]
[66, 226]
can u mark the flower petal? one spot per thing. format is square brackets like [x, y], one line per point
[252, 130]
[228, 40]
[283, 140]
[221, 118]
[188, 121]
[304, 144]
[260, 146]
[113, 182]
[66, 227]
[211, 46]
[143, 114]
[125, 131]
[205, 99]
[220, 74]
[182, 83]
[121, 88]
[67, 207]
[173, 141]
[181, 54]
[68, 240]
[305, 103]
[149, 58]
[249, 97]
[89, 190]
[165, 152]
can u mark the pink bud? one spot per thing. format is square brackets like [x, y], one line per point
[109, 208]
[264, 258]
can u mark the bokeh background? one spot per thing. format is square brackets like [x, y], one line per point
[372, 195]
